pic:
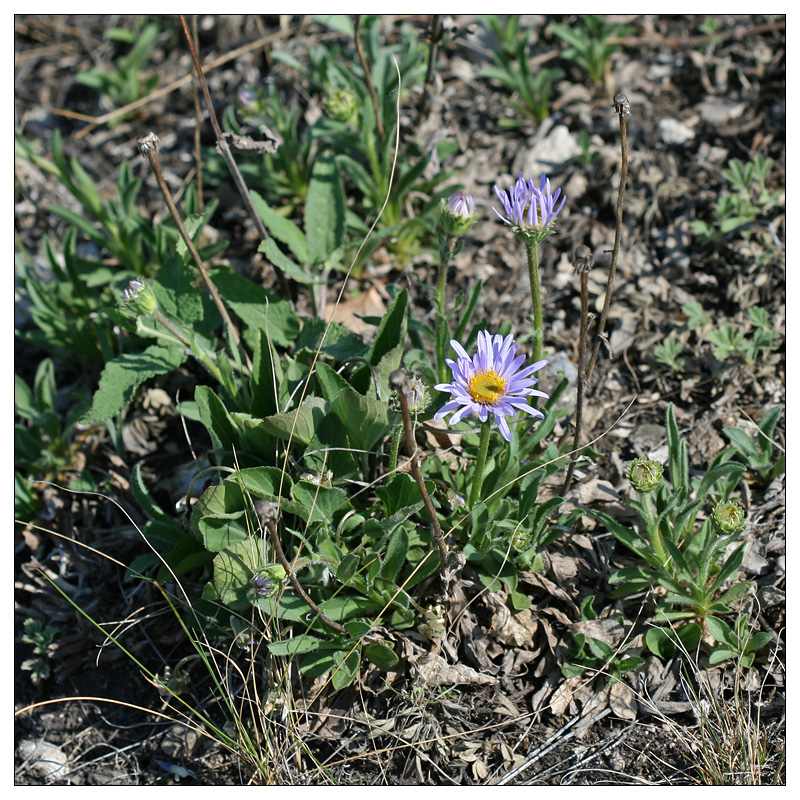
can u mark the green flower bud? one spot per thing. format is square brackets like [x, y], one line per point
[521, 540]
[138, 299]
[645, 474]
[458, 214]
[342, 104]
[728, 516]
[268, 580]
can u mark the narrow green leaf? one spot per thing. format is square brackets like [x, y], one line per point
[144, 499]
[221, 428]
[395, 555]
[284, 230]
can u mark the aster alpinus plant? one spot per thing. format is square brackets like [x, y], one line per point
[490, 382]
[690, 560]
[531, 211]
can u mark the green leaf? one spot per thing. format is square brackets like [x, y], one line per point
[737, 591]
[282, 229]
[365, 420]
[221, 428]
[321, 502]
[315, 664]
[387, 349]
[401, 491]
[395, 555]
[300, 424]
[123, 375]
[297, 646]
[347, 664]
[732, 563]
[324, 209]
[217, 534]
[630, 538]
[285, 264]
[267, 377]
[331, 383]
[758, 640]
[234, 567]
[258, 310]
[722, 654]
[382, 656]
[24, 404]
[180, 299]
[333, 340]
[341, 608]
[721, 632]
[600, 649]
[347, 568]
[520, 601]
[263, 483]
[143, 498]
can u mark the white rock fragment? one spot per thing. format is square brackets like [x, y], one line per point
[673, 131]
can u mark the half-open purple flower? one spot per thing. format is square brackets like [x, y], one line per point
[530, 210]
[490, 381]
[458, 214]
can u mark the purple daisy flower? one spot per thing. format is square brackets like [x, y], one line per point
[530, 210]
[491, 380]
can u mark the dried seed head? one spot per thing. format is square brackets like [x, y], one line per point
[148, 143]
[582, 258]
[622, 105]
[267, 511]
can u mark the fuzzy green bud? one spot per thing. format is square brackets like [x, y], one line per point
[458, 214]
[728, 516]
[138, 299]
[342, 104]
[645, 474]
[268, 580]
[521, 540]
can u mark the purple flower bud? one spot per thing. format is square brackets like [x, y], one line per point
[458, 214]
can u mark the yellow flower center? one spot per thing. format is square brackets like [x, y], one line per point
[487, 387]
[525, 212]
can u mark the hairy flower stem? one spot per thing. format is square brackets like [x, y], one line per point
[441, 317]
[180, 336]
[278, 548]
[653, 532]
[397, 437]
[532, 251]
[583, 261]
[480, 464]
[149, 149]
[622, 108]
[399, 381]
